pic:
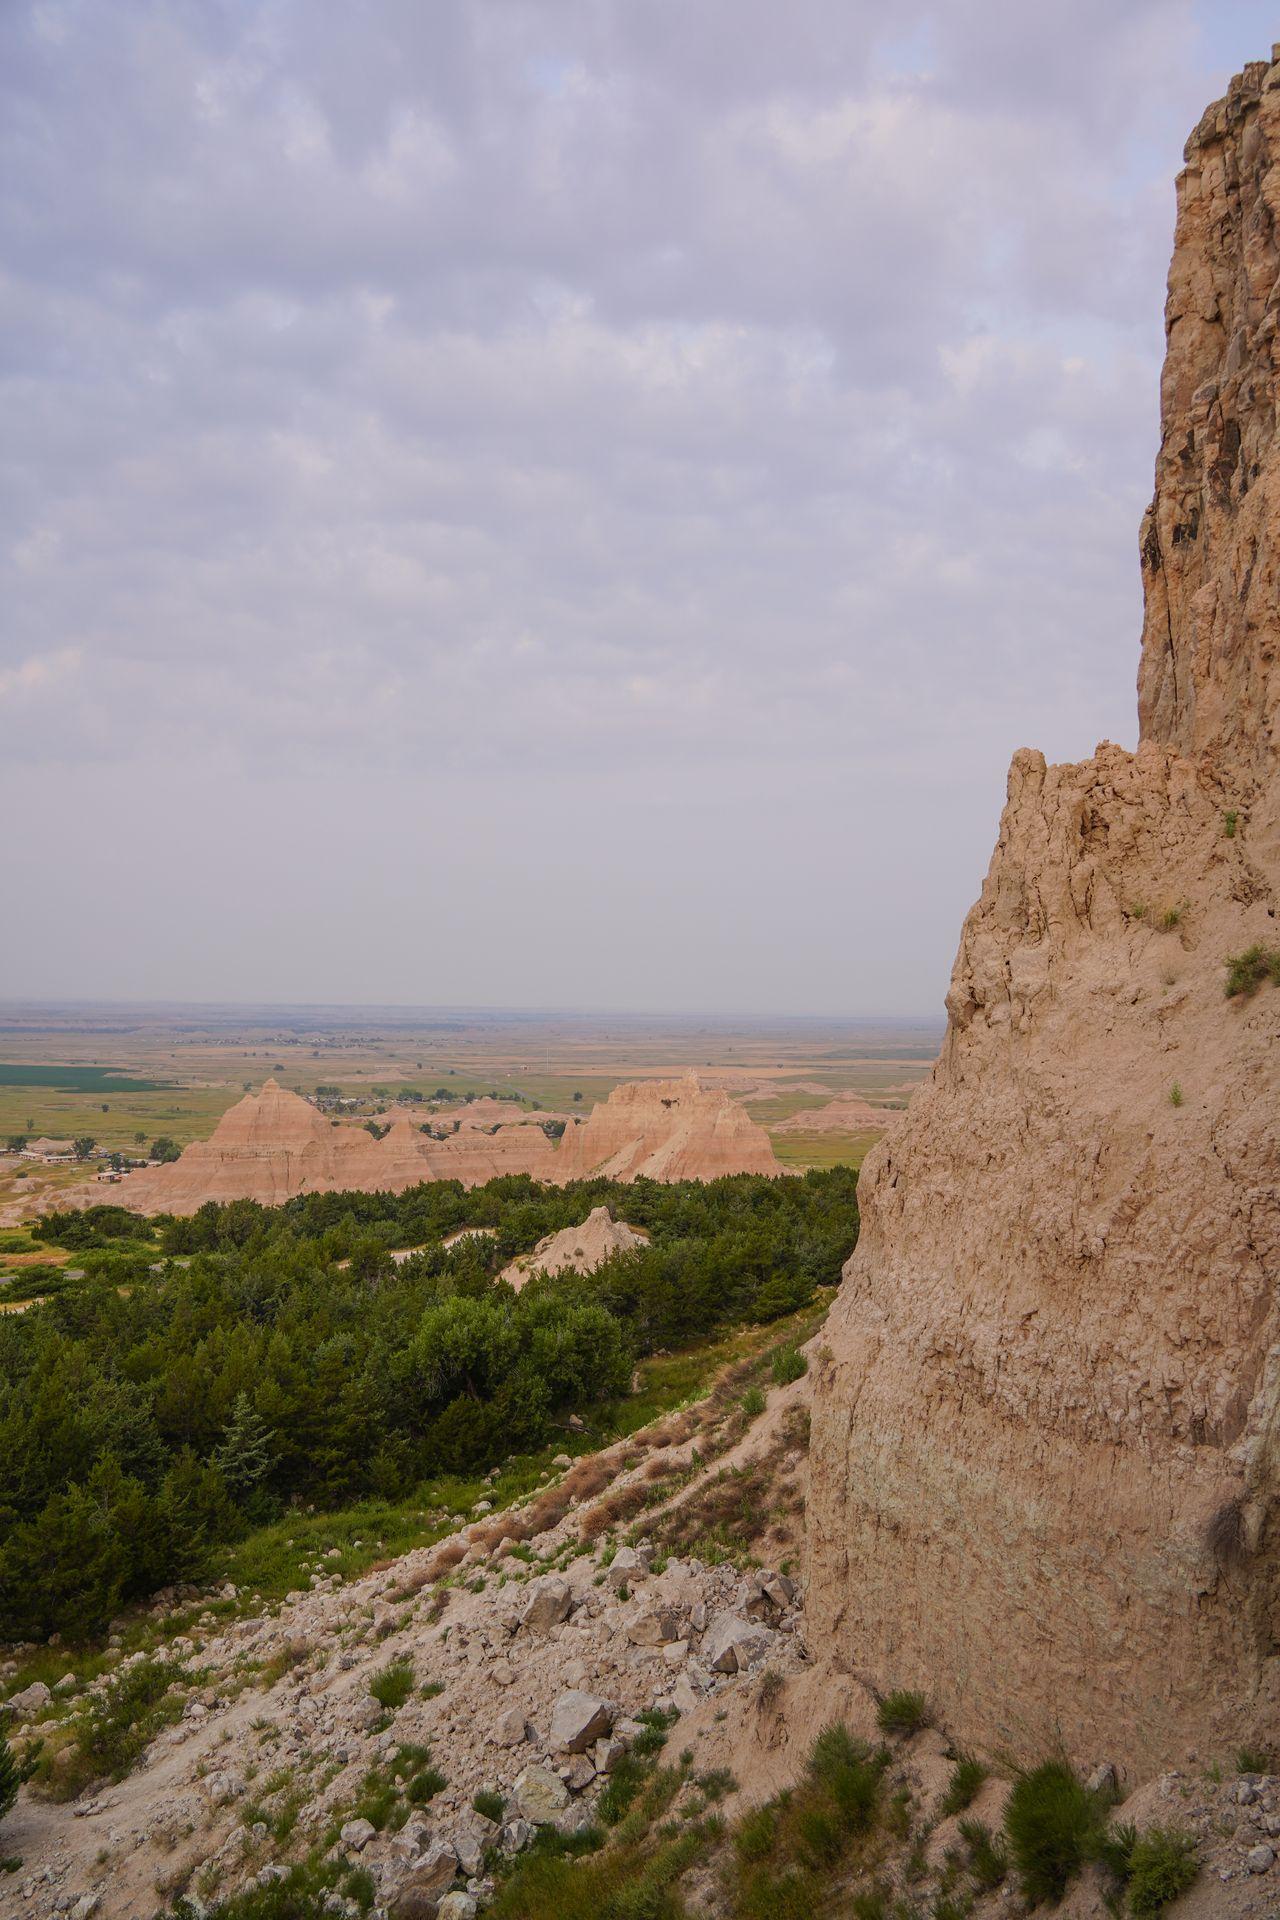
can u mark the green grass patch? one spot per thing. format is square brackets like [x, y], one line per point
[786, 1850]
[823, 1150]
[110, 1735]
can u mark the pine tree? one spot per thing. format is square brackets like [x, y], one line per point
[245, 1456]
[8, 1777]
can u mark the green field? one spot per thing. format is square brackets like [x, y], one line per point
[77, 1079]
[823, 1149]
[129, 1107]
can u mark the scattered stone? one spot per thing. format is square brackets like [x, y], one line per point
[31, 1700]
[579, 1773]
[510, 1730]
[550, 1601]
[731, 1643]
[577, 1720]
[654, 1626]
[540, 1795]
[626, 1567]
[1261, 1859]
[357, 1834]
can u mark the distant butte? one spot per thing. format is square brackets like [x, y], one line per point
[274, 1144]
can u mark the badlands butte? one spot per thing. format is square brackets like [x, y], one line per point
[952, 1590]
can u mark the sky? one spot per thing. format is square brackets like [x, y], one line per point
[565, 502]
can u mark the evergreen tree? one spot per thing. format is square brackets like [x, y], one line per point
[8, 1777]
[246, 1454]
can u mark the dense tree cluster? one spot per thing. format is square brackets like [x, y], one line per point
[281, 1354]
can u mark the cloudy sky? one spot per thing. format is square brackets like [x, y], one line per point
[564, 502]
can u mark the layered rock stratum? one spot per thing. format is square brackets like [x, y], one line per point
[1046, 1442]
[274, 1144]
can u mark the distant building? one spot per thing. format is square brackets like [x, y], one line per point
[49, 1151]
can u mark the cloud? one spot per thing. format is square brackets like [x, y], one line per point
[694, 402]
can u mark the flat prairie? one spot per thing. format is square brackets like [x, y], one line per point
[113, 1073]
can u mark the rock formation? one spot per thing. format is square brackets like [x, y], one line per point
[274, 1144]
[577, 1249]
[1046, 1445]
[666, 1130]
[847, 1113]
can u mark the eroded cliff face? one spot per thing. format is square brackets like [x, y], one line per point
[1046, 1446]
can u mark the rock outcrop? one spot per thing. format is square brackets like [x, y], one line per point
[847, 1113]
[1046, 1443]
[577, 1249]
[666, 1130]
[274, 1144]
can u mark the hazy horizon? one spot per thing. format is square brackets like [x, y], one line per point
[565, 506]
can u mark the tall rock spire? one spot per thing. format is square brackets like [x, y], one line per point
[1045, 1469]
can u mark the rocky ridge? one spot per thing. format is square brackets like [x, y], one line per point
[1051, 1415]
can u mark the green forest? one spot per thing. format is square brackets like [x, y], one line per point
[205, 1373]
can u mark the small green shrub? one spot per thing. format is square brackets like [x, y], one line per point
[1053, 1824]
[716, 1784]
[788, 1364]
[903, 1712]
[988, 1857]
[1230, 821]
[624, 1783]
[753, 1402]
[967, 1776]
[1175, 1094]
[1246, 971]
[492, 1805]
[1256, 1760]
[1162, 1865]
[392, 1685]
[358, 1884]
[756, 1832]
[657, 1724]
[871, 1904]
[850, 1773]
[424, 1785]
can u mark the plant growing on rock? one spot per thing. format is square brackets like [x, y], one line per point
[903, 1712]
[1054, 1824]
[392, 1685]
[1158, 1867]
[967, 1776]
[1247, 971]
